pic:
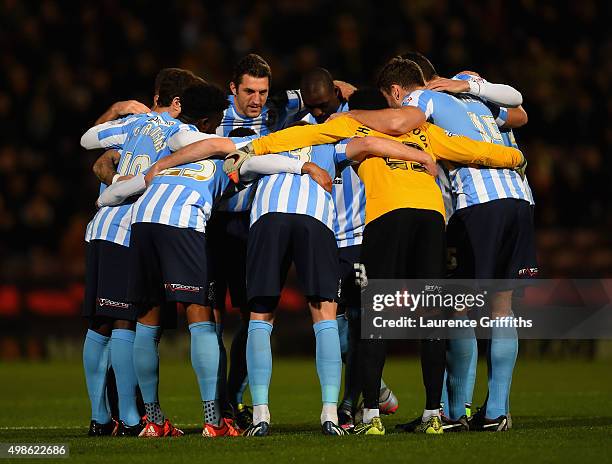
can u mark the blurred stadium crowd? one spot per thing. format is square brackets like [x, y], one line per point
[64, 63]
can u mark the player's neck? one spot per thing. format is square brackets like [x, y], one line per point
[166, 109]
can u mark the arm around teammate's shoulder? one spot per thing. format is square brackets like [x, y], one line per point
[392, 121]
[194, 152]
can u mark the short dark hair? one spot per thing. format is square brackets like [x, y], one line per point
[241, 132]
[399, 71]
[199, 101]
[367, 99]
[317, 78]
[253, 65]
[171, 82]
[426, 67]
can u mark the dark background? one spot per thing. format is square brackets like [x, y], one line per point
[63, 63]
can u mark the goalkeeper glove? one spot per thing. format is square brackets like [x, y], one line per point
[234, 160]
[522, 167]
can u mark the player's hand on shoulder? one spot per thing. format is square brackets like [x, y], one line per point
[470, 73]
[151, 173]
[319, 175]
[442, 84]
[346, 89]
[123, 108]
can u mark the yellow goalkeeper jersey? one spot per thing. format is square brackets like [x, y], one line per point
[390, 183]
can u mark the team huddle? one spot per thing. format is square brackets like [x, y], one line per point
[419, 177]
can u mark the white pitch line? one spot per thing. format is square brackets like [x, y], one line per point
[69, 427]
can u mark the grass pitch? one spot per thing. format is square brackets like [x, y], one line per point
[562, 412]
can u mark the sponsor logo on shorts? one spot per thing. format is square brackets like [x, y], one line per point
[528, 272]
[182, 288]
[104, 302]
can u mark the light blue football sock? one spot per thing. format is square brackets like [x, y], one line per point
[205, 358]
[96, 355]
[444, 397]
[458, 360]
[146, 360]
[328, 358]
[122, 360]
[259, 360]
[508, 398]
[502, 358]
[222, 374]
[471, 378]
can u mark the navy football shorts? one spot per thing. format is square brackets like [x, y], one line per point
[278, 239]
[106, 281]
[168, 264]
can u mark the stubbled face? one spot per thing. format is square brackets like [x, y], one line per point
[321, 104]
[250, 95]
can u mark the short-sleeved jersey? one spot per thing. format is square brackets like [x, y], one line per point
[348, 194]
[141, 140]
[349, 199]
[510, 141]
[273, 116]
[182, 196]
[467, 115]
[411, 186]
[299, 194]
[240, 201]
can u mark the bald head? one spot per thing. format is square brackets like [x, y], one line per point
[319, 93]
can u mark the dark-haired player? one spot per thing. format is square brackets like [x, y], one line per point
[323, 98]
[140, 139]
[415, 195]
[110, 337]
[505, 244]
[249, 99]
[228, 232]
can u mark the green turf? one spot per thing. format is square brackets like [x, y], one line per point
[562, 412]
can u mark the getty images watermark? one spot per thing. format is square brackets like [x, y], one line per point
[533, 309]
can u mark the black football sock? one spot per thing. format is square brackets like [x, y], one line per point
[238, 368]
[433, 362]
[372, 361]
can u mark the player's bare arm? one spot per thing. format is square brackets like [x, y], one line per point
[346, 89]
[122, 108]
[517, 117]
[105, 167]
[359, 148]
[194, 152]
[392, 121]
[319, 175]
